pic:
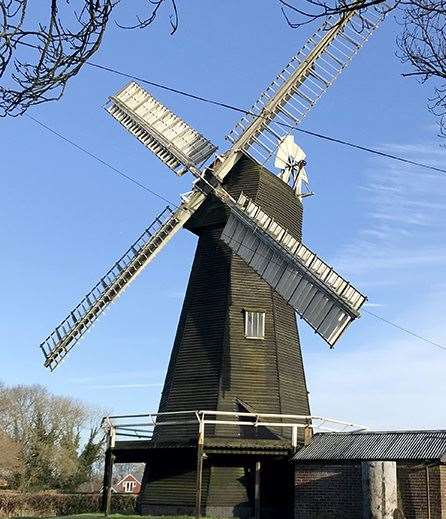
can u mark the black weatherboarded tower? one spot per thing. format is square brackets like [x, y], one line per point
[214, 365]
[213, 361]
[237, 347]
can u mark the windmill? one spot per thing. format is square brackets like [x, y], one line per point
[237, 344]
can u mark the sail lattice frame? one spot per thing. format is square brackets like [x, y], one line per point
[298, 87]
[323, 298]
[78, 322]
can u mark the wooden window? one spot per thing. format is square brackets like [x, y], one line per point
[254, 324]
[129, 486]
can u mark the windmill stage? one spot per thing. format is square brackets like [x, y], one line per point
[234, 408]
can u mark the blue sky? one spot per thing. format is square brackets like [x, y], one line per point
[66, 218]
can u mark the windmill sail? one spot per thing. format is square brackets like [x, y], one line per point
[117, 279]
[298, 87]
[317, 293]
[172, 140]
[322, 297]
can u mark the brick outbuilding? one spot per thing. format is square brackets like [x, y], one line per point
[330, 472]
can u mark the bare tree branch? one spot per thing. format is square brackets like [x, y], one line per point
[59, 50]
[422, 43]
[38, 60]
[142, 23]
[52, 441]
[312, 10]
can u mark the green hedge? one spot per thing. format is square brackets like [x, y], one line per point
[48, 503]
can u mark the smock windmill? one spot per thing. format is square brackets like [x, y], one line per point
[237, 343]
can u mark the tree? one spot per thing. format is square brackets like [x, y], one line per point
[39, 57]
[11, 462]
[59, 438]
[120, 470]
[421, 44]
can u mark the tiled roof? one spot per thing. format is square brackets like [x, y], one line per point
[126, 478]
[375, 445]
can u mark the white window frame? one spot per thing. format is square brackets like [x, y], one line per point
[129, 486]
[254, 324]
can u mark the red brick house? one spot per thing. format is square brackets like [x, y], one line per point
[127, 485]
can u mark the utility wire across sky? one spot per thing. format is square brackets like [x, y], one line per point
[98, 159]
[158, 195]
[238, 109]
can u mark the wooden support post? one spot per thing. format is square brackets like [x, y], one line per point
[257, 490]
[200, 455]
[294, 437]
[108, 473]
[308, 435]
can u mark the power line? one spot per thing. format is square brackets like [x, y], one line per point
[371, 150]
[248, 112]
[98, 159]
[170, 89]
[395, 325]
[154, 193]
[405, 330]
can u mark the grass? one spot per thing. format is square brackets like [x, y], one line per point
[112, 516]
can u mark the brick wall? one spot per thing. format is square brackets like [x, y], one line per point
[413, 497]
[335, 491]
[328, 492]
[443, 490]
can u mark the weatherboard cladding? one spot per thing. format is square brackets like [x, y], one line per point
[232, 481]
[171, 478]
[229, 485]
[392, 445]
[193, 377]
[213, 365]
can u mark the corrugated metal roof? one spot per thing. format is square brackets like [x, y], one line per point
[375, 445]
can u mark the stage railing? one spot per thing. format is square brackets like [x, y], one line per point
[141, 427]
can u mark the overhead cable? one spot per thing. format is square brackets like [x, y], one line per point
[405, 330]
[98, 159]
[154, 193]
[247, 112]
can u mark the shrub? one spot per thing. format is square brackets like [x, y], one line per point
[50, 503]
[123, 504]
